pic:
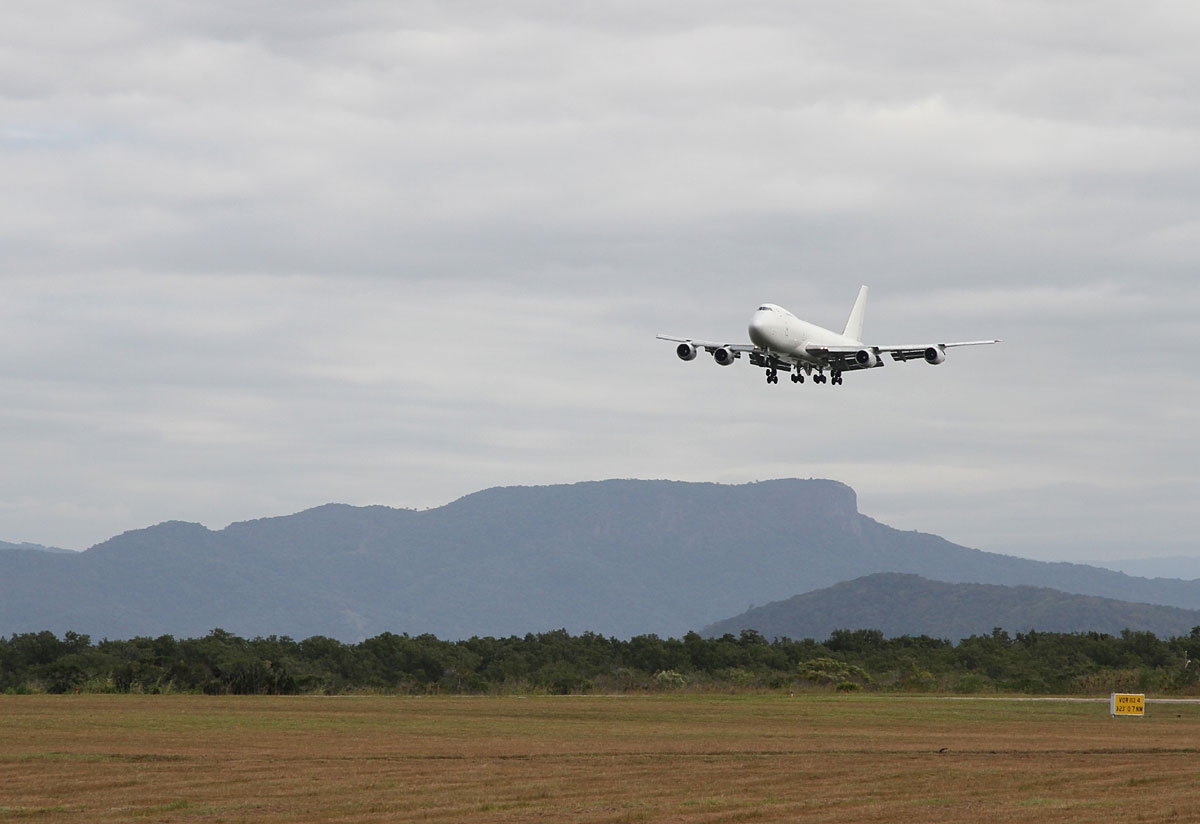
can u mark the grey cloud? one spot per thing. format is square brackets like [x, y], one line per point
[259, 257]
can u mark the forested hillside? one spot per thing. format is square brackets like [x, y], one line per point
[901, 604]
[557, 662]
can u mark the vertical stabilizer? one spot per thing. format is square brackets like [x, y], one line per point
[854, 324]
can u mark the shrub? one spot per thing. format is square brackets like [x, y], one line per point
[669, 680]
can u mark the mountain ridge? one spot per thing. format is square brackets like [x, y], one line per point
[616, 557]
[25, 546]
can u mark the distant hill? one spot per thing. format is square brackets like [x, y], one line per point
[1173, 566]
[616, 557]
[5, 545]
[902, 604]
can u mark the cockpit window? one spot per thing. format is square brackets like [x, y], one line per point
[765, 308]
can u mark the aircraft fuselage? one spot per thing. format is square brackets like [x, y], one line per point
[777, 330]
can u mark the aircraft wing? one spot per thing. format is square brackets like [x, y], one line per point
[723, 353]
[849, 357]
[710, 346]
[904, 352]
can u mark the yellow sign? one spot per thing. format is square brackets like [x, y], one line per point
[1123, 703]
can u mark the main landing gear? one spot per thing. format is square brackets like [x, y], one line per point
[834, 377]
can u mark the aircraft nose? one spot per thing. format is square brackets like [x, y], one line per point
[758, 326]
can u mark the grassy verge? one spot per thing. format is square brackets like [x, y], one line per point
[685, 758]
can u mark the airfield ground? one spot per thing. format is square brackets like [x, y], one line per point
[678, 758]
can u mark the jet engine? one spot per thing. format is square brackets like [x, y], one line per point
[686, 351]
[724, 355]
[866, 358]
[935, 355]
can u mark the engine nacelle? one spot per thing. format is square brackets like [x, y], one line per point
[935, 355]
[866, 358]
[724, 355]
[686, 351]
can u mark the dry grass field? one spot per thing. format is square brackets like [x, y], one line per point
[686, 758]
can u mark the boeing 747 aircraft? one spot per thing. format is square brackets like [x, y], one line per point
[783, 342]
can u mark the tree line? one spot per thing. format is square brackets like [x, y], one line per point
[222, 663]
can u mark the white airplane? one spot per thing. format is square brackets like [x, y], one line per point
[783, 342]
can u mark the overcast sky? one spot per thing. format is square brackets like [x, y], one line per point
[257, 257]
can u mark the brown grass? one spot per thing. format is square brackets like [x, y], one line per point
[96, 758]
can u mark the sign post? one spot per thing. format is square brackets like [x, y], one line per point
[1127, 704]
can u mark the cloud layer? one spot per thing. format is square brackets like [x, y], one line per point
[261, 257]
